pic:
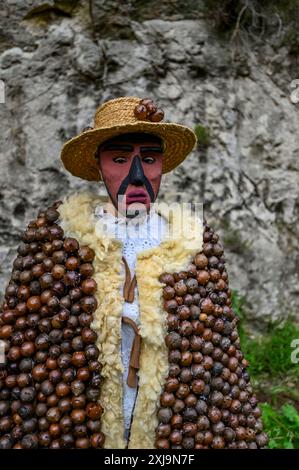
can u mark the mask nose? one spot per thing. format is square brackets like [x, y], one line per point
[136, 174]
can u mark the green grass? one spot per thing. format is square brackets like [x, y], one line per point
[282, 426]
[275, 377]
[270, 353]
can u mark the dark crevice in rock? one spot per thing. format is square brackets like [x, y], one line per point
[53, 8]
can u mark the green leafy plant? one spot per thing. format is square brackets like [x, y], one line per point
[203, 135]
[282, 426]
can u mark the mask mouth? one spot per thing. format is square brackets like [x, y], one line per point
[136, 195]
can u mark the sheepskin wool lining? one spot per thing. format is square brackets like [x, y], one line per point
[173, 254]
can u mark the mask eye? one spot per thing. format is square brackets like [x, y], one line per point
[149, 160]
[120, 160]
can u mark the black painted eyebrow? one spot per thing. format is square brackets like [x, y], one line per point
[123, 147]
[157, 149]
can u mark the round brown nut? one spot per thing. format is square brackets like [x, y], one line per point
[167, 278]
[157, 116]
[78, 416]
[86, 254]
[173, 340]
[94, 411]
[165, 415]
[168, 292]
[203, 277]
[163, 430]
[141, 112]
[207, 306]
[201, 260]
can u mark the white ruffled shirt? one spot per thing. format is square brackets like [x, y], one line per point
[146, 233]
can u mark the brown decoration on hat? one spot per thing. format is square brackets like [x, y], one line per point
[157, 116]
[141, 112]
[150, 106]
[148, 110]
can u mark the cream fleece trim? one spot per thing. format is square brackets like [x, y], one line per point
[173, 254]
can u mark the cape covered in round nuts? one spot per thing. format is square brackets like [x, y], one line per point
[50, 385]
[207, 401]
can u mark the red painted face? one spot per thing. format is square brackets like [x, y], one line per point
[131, 168]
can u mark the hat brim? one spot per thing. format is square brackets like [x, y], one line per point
[78, 154]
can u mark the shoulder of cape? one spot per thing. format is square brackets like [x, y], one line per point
[76, 211]
[80, 203]
[78, 220]
[77, 216]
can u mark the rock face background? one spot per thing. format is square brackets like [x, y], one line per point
[60, 59]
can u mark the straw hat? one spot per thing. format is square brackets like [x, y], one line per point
[121, 116]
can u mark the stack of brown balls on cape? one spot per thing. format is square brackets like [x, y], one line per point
[207, 401]
[50, 383]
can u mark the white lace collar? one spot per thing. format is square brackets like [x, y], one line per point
[149, 225]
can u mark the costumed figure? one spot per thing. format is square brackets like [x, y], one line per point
[114, 340]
